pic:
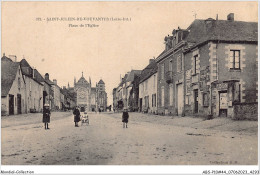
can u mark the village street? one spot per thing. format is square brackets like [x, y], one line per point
[149, 140]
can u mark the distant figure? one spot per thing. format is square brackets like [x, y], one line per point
[46, 115]
[125, 117]
[99, 110]
[76, 113]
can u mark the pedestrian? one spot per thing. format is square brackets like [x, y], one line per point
[76, 113]
[46, 115]
[125, 118]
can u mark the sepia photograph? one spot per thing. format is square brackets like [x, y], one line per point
[129, 83]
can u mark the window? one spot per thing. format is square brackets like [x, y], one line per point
[19, 83]
[162, 96]
[171, 94]
[162, 71]
[170, 65]
[179, 63]
[235, 59]
[154, 81]
[196, 65]
[154, 100]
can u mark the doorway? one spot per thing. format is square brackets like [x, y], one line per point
[11, 104]
[19, 104]
[180, 99]
[223, 104]
[196, 101]
[141, 104]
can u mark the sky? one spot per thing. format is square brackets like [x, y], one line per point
[110, 49]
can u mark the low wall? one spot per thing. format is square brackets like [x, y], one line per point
[247, 111]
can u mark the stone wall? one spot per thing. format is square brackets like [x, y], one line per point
[247, 111]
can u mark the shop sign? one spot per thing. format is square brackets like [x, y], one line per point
[222, 86]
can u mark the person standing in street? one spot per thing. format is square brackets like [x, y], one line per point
[76, 113]
[125, 118]
[46, 115]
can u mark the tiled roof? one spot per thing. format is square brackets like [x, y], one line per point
[28, 71]
[148, 71]
[123, 80]
[5, 58]
[38, 76]
[222, 30]
[8, 71]
[131, 75]
[68, 93]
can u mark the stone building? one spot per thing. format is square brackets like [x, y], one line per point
[165, 95]
[148, 88]
[134, 94]
[13, 88]
[114, 99]
[56, 95]
[121, 93]
[130, 93]
[125, 95]
[34, 87]
[48, 94]
[221, 69]
[90, 98]
[210, 68]
[101, 95]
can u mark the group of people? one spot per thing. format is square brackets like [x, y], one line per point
[76, 113]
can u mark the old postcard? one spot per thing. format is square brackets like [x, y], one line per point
[129, 83]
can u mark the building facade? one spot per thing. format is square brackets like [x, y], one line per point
[101, 96]
[56, 95]
[34, 88]
[13, 88]
[148, 89]
[48, 94]
[221, 72]
[90, 98]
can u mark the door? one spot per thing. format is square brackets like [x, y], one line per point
[19, 104]
[11, 105]
[180, 99]
[223, 104]
[196, 101]
[141, 104]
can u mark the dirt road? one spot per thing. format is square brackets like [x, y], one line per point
[149, 140]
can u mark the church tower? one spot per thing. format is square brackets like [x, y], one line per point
[101, 95]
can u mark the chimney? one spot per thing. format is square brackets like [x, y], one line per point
[64, 87]
[55, 81]
[151, 61]
[13, 58]
[46, 76]
[230, 17]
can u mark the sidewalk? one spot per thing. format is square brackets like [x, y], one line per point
[30, 118]
[219, 124]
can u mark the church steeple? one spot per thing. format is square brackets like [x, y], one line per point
[90, 81]
[82, 73]
[68, 85]
[74, 81]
